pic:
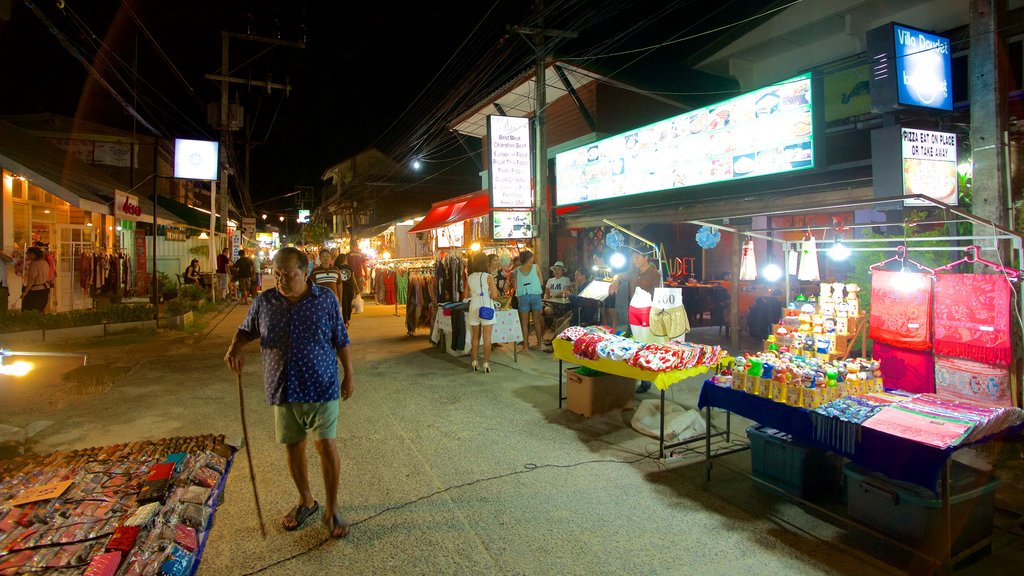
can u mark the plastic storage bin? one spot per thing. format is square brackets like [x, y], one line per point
[803, 471]
[912, 514]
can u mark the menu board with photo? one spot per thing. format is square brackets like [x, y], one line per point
[766, 131]
[512, 225]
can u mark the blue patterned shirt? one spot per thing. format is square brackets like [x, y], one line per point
[299, 342]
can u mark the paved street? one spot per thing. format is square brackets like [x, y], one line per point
[444, 471]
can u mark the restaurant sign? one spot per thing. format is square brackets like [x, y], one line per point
[126, 206]
[767, 131]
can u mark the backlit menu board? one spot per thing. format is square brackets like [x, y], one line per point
[929, 166]
[511, 225]
[763, 132]
[508, 150]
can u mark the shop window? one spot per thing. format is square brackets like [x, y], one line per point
[43, 214]
[35, 194]
[18, 189]
[21, 223]
[77, 216]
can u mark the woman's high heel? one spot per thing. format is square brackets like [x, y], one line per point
[474, 366]
[487, 367]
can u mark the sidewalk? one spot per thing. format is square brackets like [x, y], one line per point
[446, 471]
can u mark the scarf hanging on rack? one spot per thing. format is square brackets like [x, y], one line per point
[901, 309]
[908, 370]
[972, 317]
[960, 379]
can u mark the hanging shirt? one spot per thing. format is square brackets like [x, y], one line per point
[299, 343]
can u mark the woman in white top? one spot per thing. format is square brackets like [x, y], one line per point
[482, 292]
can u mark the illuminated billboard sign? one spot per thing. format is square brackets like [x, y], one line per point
[929, 165]
[909, 67]
[767, 131]
[509, 225]
[509, 164]
[195, 159]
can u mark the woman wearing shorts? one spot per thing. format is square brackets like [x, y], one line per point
[482, 292]
[529, 285]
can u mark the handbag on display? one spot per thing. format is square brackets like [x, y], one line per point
[485, 312]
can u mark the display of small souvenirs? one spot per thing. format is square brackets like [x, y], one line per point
[130, 509]
[817, 326]
[805, 381]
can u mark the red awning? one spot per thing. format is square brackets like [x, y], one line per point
[455, 210]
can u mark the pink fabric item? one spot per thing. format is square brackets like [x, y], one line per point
[972, 317]
[931, 431]
[974, 382]
[901, 309]
[640, 316]
[104, 564]
[908, 370]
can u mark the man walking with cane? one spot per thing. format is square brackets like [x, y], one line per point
[303, 339]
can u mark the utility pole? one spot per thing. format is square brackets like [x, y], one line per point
[227, 124]
[542, 211]
[988, 117]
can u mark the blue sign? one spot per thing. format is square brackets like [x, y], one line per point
[924, 74]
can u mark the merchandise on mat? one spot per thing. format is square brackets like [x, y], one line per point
[901, 309]
[99, 523]
[943, 422]
[803, 381]
[972, 317]
[597, 343]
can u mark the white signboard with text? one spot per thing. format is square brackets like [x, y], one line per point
[929, 166]
[510, 166]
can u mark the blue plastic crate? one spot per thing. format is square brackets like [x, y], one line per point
[795, 468]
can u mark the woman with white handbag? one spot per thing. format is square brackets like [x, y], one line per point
[480, 316]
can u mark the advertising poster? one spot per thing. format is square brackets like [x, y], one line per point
[141, 273]
[451, 236]
[766, 131]
[196, 159]
[509, 225]
[929, 166]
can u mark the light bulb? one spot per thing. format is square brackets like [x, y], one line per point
[839, 252]
[416, 164]
[772, 272]
[475, 246]
[617, 260]
[18, 368]
[908, 281]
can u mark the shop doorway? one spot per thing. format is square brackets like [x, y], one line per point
[70, 292]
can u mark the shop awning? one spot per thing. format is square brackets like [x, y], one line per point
[455, 210]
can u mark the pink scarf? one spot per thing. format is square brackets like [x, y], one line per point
[908, 370]
[966, 380]
[901, 309]
[972, 317]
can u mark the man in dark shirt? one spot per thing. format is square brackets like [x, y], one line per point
[223, 261]
[349, 286]
[245, 273]
[302, 338]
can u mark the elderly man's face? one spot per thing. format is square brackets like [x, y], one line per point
[291, 278]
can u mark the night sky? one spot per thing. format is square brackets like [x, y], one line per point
[364, 65]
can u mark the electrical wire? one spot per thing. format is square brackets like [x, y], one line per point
[527, 468]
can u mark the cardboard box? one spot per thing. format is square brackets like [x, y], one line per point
[589, 396]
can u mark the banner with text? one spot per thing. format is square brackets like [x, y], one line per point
[126, 206]
[509, 163]
[929, 166]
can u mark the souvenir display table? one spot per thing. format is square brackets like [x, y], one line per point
[133, 509]
[563, 351]
[898, 457]
[506, 329]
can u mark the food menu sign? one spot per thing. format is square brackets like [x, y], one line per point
[509, 162]
[510, 225]
[929, 166]
[767, 131]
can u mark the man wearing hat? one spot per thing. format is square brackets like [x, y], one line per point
[559, 283]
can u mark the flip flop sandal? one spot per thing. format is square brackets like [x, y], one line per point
[332, 521]
[300, 514]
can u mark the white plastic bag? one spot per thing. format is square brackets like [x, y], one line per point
[357, 304]
[680, 423]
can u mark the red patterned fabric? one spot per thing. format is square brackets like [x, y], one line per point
[901, 309]
[972, 317]
[908, 370]
[969, 381]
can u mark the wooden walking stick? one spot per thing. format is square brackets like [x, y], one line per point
[248, 454]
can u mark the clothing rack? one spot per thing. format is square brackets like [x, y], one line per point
[427, 264]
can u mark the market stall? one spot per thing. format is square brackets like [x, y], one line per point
[664, 365]
[145, 507]
[506, 330]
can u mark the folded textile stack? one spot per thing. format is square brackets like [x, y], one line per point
[599, 342]
[942, 422]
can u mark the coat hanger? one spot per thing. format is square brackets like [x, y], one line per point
[901, 256]
[972, 258]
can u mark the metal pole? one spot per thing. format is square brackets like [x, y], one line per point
[212, 241]
[541, 212]
[156, 278]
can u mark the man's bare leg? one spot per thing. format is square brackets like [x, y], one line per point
[330, 465]
[300, 476]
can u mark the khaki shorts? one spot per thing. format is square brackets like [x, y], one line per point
[294, 420]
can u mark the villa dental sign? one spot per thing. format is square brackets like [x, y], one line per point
[509, 162]
[909, 67]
